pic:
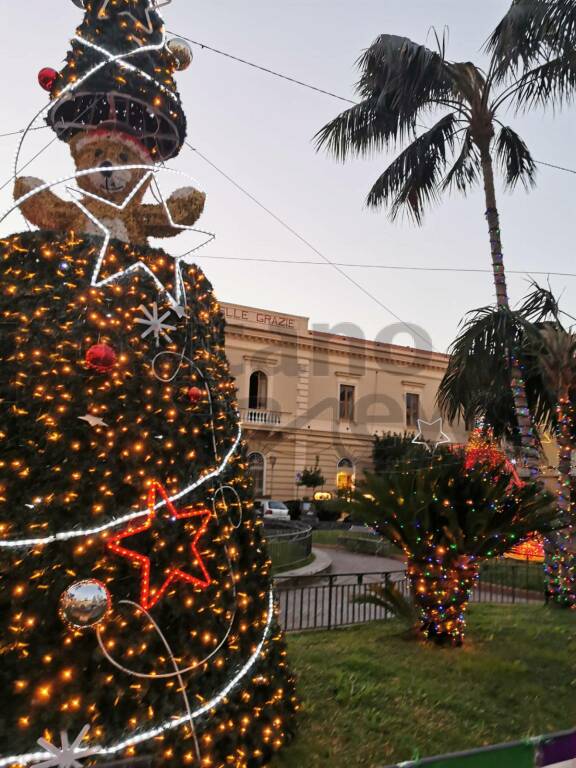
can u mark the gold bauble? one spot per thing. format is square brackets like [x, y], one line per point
[181, 51]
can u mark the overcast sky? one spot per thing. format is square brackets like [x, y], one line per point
[258, 129]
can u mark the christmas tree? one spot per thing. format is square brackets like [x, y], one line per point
[137, 616]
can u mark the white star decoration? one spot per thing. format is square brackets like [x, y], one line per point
[94, 421]
[139, 265]
[96, 281]
[419, 439]
[68, 755]
[155, 323]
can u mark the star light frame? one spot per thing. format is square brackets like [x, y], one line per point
[419, 438]
[148, 598]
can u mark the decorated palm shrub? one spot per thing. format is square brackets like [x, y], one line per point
[446, 519]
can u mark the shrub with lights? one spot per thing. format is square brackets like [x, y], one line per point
[137, 617]
[447, 518]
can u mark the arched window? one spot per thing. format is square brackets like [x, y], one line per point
[345, 476]
[257, 469]
[258, 393]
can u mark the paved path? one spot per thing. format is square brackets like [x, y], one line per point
[350, 562]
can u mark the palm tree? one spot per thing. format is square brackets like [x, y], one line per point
[475, 386]
[555, 348]
[446, 520]
[401, 83]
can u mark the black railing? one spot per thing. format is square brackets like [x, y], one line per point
[329, 601]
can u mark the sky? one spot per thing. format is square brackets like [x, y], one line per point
[258, 130]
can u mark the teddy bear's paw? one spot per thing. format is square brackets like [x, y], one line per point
[26, 184]
[186, 206]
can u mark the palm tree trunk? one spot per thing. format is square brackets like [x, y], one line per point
[527, 435]
[560, 571]
[442, 589]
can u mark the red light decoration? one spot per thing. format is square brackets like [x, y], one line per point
[531, 550]
[101, 357]
[47, 78]
[482, 451]
[173, 572]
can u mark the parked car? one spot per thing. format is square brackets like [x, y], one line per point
[272, 509]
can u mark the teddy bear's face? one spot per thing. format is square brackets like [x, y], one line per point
[113, 156]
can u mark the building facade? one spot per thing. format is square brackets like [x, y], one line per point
[310, 398]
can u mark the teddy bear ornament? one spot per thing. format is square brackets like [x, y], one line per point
[121, 115]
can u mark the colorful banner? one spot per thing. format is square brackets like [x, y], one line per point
[557, 751]
[508, 757]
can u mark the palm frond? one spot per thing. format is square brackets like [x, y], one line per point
[551, 83]
[477, 380]
[519, 41]
[540, 305]
[389, 597]
[464, 174]
[405, 74]
[399, 81]
[361, 130]
[560, 23]
[413, 180]
[515, 159]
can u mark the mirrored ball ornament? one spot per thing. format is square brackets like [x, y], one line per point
[181, 51]
[85, 604]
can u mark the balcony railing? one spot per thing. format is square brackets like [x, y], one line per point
[256, 416]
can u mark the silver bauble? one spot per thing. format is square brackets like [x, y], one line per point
[85, 604]
[181, 51]
[79, 3]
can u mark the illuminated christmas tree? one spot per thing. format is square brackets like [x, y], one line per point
[137, 617]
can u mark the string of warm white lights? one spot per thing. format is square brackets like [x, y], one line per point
[75, 534]
[170, 725]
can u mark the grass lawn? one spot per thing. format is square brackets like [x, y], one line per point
[371, 699]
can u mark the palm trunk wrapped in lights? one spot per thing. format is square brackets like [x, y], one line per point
[560, 561]
[526, 430]
[442, 587]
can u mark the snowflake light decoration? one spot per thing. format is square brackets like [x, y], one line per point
[68, 755]
[155, 324]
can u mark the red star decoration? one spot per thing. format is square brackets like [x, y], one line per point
[182, 557]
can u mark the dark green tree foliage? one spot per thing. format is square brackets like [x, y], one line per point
[61, 475]
[115, 95]
[391, 449]
[312, 477]
[446, 520]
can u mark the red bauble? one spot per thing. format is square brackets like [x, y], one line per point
[195, 394]
[101, 357]
[47, 77]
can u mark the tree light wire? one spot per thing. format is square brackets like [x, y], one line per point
[181, 720]
[177, 673]
[75, 534]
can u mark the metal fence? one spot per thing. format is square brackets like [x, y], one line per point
[329, 601]
[289, 543]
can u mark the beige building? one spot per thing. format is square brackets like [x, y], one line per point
[306, 395]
